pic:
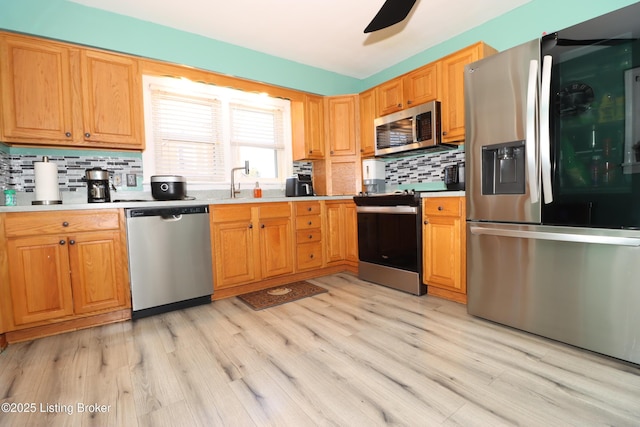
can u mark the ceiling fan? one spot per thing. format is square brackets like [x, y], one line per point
[392, 12]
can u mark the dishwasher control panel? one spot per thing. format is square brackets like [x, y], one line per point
[166, 210]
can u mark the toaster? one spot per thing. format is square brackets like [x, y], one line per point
[299, 185]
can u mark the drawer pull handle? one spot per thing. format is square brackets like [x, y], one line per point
[309, 209]
[440, 208]
[62, 242]
[309, 223]
[311, 256]
[72, 242]
[311, 236]
[65, 224]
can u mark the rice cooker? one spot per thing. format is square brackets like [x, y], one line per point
[168, 187]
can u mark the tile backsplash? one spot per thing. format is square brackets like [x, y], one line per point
[421, 168]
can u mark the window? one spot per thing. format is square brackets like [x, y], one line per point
[201, 131]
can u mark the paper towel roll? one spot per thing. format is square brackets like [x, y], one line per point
[46, 177]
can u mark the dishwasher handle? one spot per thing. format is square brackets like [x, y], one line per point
[171, 218]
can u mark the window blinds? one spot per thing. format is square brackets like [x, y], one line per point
[187, 136]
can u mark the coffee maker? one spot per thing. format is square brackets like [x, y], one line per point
[97, 185]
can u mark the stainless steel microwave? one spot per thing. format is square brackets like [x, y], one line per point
[411, 129]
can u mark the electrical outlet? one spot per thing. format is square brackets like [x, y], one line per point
[131, 180]
[117, 180]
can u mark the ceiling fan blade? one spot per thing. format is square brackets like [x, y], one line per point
[392, 12]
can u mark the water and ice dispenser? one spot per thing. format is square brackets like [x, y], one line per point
[503, 168]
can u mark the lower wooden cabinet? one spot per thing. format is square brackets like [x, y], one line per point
[62, 265]
[341, 232]
[309, 253]
[251, 242]
[444, 247]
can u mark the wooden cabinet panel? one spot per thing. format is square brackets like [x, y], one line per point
[341, 236]
[309, 256]
[444, 247]
[368, 113]
[307, 208]
[308, 222]
[341, 125]
[276, 247]
[308, 236]
[452, 95]
[59, 94]
[68, 265]
[421, 85]
[97, 264]
[351, 231]
[390, 97]
[39, 279]
[36, 90]
[234, 253]
[308, 128]
[111, 100]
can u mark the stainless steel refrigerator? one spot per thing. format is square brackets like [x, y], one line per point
[553, 185]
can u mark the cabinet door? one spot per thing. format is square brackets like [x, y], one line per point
[234, 259]
[351, 232]
[313, 127]
[442, 242]
[36, 91]
[97, 265]
[390, 97]
[276, 246]
[341, 125]
[335, 250]
[111, 100]
[453, 93]
[421, 85]
[39, 279]
[368, 113]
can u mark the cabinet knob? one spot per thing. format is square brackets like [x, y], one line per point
[425, 222]
[250, 225]
[67, 134]
[311, 256]
[309, 209]
[331, 152]
[261, 225]
[310, 222]
[62, 242]
[72, 242]
[311, 236]
[440, 208]
[65, 224]
[399, 105]
[444, 133]
[310, 151]
[87, 135]
[409, 102]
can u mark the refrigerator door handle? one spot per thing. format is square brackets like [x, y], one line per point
[559, 236]
[545, 143]
[530, 141]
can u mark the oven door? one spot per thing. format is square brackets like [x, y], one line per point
[390, 236]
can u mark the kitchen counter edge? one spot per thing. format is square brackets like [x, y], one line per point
[159, 203]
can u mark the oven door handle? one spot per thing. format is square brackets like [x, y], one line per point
[410, 210]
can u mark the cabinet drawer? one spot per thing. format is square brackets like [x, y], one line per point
[274, 210]
[309, 256]
[307, 222]
[35, 223]
[307, 208]
[308, 236]
[230, 213]
[443, 206]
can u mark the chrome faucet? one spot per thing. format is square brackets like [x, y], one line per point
[233, 187]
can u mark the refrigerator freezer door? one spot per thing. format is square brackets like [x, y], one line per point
[500, 114]
[575, 285]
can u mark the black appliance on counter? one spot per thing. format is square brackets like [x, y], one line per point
[97, 185]
[390, 240]
[299, 185]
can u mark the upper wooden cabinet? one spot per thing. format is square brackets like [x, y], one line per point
[56, 94]
[340, 124]
[452, 93]
[414, 88]
[368, 113]
[307, 117]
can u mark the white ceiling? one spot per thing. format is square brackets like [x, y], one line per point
[327, 34]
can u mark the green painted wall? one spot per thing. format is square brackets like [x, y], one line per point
[64, 20]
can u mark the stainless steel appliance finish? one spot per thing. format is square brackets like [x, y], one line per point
[97, 185]
[170, 262]
[299, 185]
[411, 129]
[390, 241]
[575, 285]
[552, 246]
[168, 187]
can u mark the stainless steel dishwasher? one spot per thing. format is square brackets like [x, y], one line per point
[170, 263]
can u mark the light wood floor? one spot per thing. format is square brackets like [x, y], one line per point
[360, 355]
